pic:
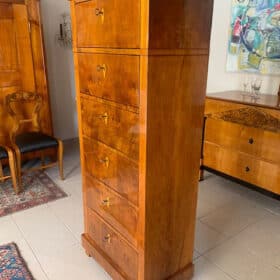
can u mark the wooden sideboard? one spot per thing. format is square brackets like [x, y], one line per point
[22, 63]
[141, 71]
[242, 138]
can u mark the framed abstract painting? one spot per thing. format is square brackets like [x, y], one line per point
[254, 41]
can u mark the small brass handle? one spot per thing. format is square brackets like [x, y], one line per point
[99, 12]
[251, 141]
[107, 238]
[247, 169]
[106, 161]
[102, 68]
[104, 117]
[106, 202]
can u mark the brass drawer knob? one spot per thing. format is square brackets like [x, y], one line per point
[100, 13]
[105, 161]
[107, 238]
[102, 68]
[247, 169]
[104, 117]
[251, 141]
[106, 202]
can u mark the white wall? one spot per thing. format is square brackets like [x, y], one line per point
[218, 78]
[60, 71]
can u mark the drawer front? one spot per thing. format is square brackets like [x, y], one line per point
[112, 168]
[108, 23]
[116, 210]
[253, 141]
[112, 126]
[243, 166]
[113, 245]
[102, 75]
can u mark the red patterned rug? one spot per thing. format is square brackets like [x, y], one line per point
[12, 265]
[38, 189]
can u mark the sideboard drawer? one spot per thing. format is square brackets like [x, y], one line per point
[113, 245]
[242, 166]
[102, 75]
[112, 168]
[108, 23]
[256, 142]
[111, 125]
[116, 210]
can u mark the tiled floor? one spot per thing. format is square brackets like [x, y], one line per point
[237, 233]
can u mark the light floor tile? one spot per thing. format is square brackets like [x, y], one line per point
[72, 264]
[43, 230]
[241, 264]
[204, 207]
[234, 217]
[30, 259]
[206, 238]
[9, 231]
[70, 212]
[204, 270]
[195, 255]
[263, 240]
[208, 190]
[211, 197]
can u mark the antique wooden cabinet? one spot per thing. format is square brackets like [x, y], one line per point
[242, 138]
[141, 70]
[22, 64]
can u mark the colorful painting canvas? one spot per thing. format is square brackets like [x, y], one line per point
[254, 43]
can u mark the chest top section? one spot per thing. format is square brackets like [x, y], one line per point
[143, 24]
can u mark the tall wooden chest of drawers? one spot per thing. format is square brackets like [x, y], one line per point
[141, 70]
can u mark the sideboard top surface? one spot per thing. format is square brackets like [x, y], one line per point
[265, 100]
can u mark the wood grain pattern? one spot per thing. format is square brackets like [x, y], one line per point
[13, 1]
[242, 166]
[172, 182]
[114, 209]
[115, 23]
[242, 139]
[250, 117]
[112, 168]
[112, 126]
[13, 170]
[185, 24]
[256, 142]
[39, 63]
[115, 247]
[160, 131]
[21, 59]
[92, 250]
[212, 106]
[24, 48]
[102, 76]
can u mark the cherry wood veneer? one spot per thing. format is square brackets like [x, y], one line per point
[115, 246]
[22, 63]
[111, 125]
[113, 207]
[102, 76]
[115, 23]
[245, 148]
[112, 168]
[141, 71]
